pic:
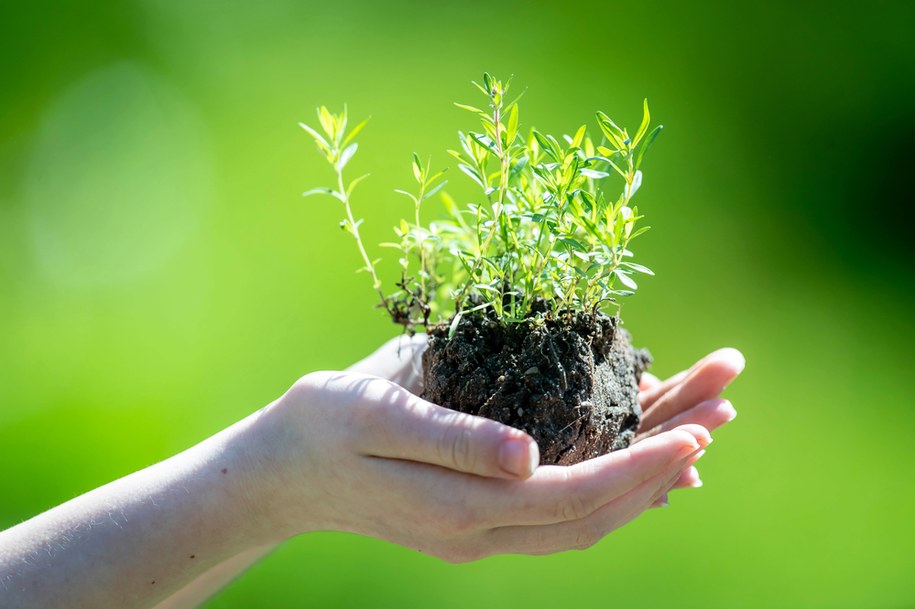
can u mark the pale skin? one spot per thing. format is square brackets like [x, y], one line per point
[354, 451]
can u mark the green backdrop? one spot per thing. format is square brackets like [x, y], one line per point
[160, 276]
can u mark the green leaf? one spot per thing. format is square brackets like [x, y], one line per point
[594, 174]
[354, 132]
[549, 145]
[579, 136]
[346, 155]
[611, 130]
[352, 185]
[327, 121]
[625, 279]
[470, 108]
[512, 123]
[637, 233]
[643, 128]
[638, 268]
[434, 191]
[454, 324]
[320, 141]
[648, 142]
[319, 191]
[417, 168]
[484, 141]
[406, 194]
[472, 173]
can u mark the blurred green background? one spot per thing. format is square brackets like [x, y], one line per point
[160, 276]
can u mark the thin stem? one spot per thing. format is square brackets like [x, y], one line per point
[354, 229]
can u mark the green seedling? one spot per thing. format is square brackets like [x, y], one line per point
[552, 224]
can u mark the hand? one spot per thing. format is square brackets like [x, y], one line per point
[689, 397]
[352, 452]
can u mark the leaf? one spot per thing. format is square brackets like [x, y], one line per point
[417, 168]
[594, 174]
[512, 123]
[648, 142]
[548, 144]
[472, 173]
[630, 191]
[320, 141]
[327, 121]
[643, 128]
[638, 268]
[579, 136]
[611, 130]
[354, 132]
[406, 194]
[573, 243]
[434, 190]
[606, 152]
[352, 185]
[470, 108]
[346, 155]
[637, 233]
[324, 191]
[625, 279]
[486, 142]
[454, 324]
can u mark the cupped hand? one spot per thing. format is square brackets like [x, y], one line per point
[353, 451]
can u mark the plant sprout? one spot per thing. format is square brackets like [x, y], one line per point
[543, 236]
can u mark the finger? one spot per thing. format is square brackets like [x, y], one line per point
[689, 478]
[399, 360]
[650, 395]
[396, 424]
[703, 382]
[711, 414]
[662, 501]
[558, 494]
[648, 381]
[585, 532]
[553, 494]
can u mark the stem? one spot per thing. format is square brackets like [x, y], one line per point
[422, 243]
[497, 220]
[354, 229]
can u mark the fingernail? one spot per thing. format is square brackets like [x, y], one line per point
[696, 480]
[519, 457]
[729, 410]
[737, 357]
[664, 502]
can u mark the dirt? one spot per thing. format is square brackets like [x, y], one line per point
[571, 381]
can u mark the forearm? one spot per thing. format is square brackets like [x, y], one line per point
[213, 579]
[137, 540]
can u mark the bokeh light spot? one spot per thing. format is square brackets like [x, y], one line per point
[117, 178]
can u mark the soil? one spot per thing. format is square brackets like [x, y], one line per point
[570, 381]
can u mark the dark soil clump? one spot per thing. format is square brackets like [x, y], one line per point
[571, 381]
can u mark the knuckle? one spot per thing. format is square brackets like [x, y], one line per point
[456, 447]
[586, 537]
[574, 506]
[461, 521]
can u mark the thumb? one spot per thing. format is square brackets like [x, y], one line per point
[398, 360]
[404, 426]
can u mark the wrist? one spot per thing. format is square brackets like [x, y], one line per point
[275, 452]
